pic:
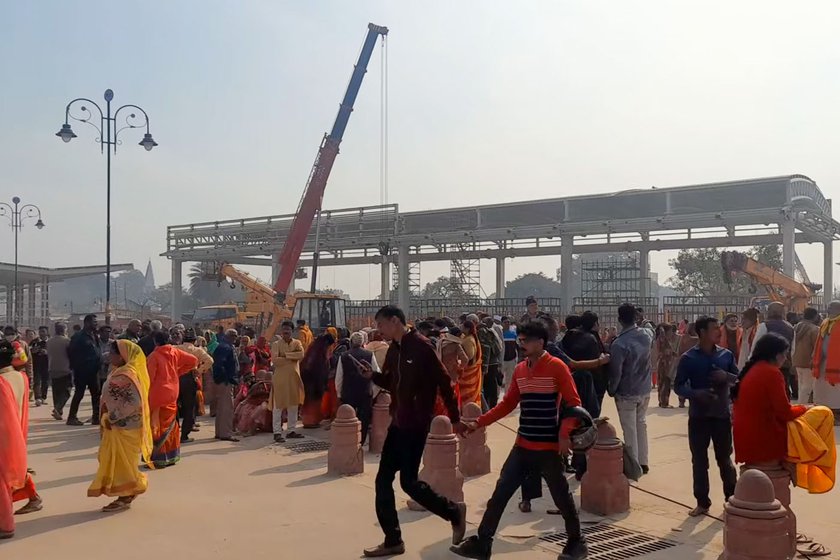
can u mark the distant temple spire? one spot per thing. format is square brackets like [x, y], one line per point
[149, 284]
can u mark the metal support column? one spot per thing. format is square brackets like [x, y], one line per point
[788, 247]
[566, 248]
[403, 291]
[177, 290]
[10, 305]
[385, 280]
[500, 277]
[828, 272]
[275, 272]
[644, 274]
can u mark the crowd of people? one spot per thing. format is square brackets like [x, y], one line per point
[148, 386]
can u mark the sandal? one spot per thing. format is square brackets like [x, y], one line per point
[802, 538]
[813, 549]
[117, 505]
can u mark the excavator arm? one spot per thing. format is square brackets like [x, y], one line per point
[259, 294]
[779, 286]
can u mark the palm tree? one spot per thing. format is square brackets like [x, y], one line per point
[205, 287]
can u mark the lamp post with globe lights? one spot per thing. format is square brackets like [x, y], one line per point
[109, 129]
[16, 214]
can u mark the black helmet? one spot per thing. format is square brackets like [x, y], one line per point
[585, 434]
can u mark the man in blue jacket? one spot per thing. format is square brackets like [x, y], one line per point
[630, 381]
[225, 378]
[705, 374]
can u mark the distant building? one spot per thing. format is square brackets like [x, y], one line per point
[149, 284]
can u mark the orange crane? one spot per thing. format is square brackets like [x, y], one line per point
[793, 294]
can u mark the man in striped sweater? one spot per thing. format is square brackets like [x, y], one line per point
[542, 385]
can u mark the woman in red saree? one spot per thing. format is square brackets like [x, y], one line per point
[470, 380]
[14, 422]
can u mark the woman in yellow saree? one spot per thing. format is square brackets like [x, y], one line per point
[125, 428]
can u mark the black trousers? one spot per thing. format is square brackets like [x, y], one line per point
[600, 379]
[718, 431]
[791, 383]
[82, 382]
[490, 385]
[364, 412]
[532, 485]
[401, 453]
[525, 464]
[61, 392]
[187, 398]
[42, 383]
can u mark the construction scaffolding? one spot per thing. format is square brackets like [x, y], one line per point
[466, 273]
[413, 277]
[612, 277]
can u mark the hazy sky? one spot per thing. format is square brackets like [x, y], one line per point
[489, 102]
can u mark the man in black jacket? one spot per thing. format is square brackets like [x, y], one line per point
[414, 375]
[85, 361]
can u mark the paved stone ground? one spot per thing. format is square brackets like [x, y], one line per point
[257, 500]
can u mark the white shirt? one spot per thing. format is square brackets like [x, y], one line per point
[339, 374]
[760, 331]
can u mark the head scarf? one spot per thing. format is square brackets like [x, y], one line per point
[135, 369]
[212, 343]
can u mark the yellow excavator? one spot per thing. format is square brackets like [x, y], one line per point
[793, 294]
[263, 311]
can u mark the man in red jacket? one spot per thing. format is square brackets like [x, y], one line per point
[541, 385]
[414, 376]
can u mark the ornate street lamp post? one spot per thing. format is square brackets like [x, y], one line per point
[16, 215]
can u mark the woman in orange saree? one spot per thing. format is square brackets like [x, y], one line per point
[125, 427]
[470, 380]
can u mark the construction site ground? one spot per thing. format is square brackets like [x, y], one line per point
[256, 499]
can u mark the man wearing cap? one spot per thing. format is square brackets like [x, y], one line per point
[533, 312]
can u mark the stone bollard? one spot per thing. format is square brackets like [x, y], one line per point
[474, 457]
[380, 422]
[604, 489]
[780, 477]
[440, 463]
[756, 524]
[345, 455]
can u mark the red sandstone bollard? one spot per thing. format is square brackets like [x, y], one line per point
[474, 457]
[780, 477]
[380, 422]
[604, 489]
[756, 524]
[345, 455]
[440, 463]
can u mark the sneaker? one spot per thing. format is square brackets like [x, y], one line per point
[31, 506]
[473, 547]
[278, 438]
[574, 550]
[74, 422]
[38, 402]
[459, 524]
[381, 550]
[56, 414]
[187, 440]
[698, 511]
[294, 435]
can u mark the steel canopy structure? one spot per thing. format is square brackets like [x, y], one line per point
[776, 210]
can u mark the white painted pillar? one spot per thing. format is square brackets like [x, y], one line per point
[177, 290]
[403, 291]
[500, 277]
[385, 280]
[788, 247]
[644, 271]
[828, 272]
[566, 252]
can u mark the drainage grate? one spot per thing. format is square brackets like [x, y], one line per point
[308, 446]
[607, 542]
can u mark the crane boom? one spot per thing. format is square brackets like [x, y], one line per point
[313, 194]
